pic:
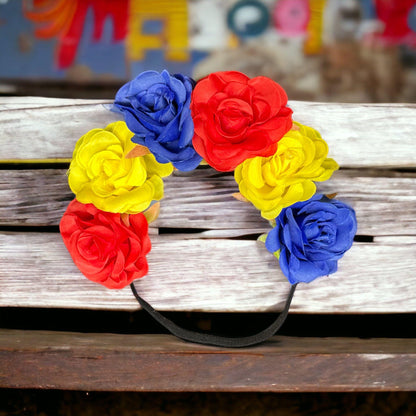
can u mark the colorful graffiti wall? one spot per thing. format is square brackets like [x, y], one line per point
[315, 48]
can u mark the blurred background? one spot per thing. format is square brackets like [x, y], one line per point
[320, 50]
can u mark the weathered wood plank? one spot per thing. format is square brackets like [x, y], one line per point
[73, 361]
[366, 135]
[23, 103]
[212, 275]
[37, 131]
[358, 134]
[202, 200]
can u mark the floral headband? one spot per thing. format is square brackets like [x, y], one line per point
[231, 123]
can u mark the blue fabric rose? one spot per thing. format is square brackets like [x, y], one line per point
[156, 108]
[311, 236]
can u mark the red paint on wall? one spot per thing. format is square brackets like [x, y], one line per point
[394, 15]
[64, 19]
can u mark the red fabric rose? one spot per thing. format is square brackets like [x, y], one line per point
[236, 118]
[104, 248]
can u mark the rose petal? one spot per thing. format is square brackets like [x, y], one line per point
[106, 250]
[312, 236]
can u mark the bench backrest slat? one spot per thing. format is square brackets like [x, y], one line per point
[359, 135]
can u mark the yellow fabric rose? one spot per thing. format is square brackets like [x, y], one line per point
[278, 181]
[100, 173]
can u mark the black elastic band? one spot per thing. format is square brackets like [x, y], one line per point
[218, 341]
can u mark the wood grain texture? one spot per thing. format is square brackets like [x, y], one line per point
[206, 270]
[356, 133]
[24, 103]
[37, 130]
[202, 200]
[73, 361]
[212, 275]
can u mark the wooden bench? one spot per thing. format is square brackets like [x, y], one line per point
[205, 258]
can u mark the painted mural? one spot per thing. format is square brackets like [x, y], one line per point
[350, 50]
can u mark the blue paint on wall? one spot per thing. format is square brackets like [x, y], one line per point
[152, 27]
[368, 8]
[37, 62]
[105, 58]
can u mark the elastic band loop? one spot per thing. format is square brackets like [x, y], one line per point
[216, 340]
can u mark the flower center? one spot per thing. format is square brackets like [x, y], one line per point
[234, 116]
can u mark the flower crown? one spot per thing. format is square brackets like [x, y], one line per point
[231, 123]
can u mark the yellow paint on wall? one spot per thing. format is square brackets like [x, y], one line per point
[313, 42]
[174, 36]
[233, 41]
